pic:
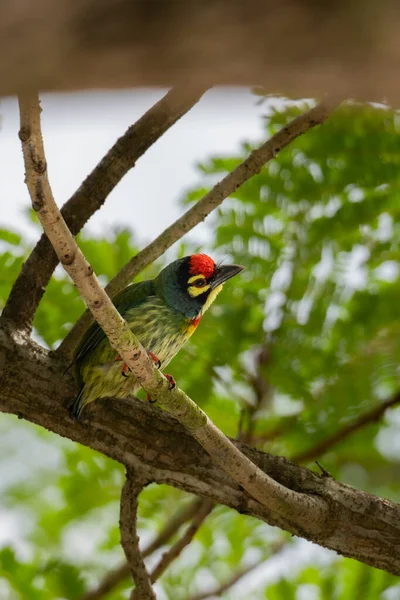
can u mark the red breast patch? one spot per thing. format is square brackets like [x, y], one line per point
[196, 321]
[201, 263]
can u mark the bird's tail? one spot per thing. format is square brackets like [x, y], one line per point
[78, 405]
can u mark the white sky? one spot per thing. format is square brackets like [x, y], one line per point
[79, 128]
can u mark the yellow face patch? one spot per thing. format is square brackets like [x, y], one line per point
[214, 293]
[195, 290]
[196, 278]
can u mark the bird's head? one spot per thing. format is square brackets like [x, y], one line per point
[191, 284]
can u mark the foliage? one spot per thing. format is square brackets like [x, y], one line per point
[302, 343]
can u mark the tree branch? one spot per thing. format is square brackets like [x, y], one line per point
[227, 186]
[114, 577]
[29, 287]
[130, 538]
[143, 437]
[367, 418]
[285, 502]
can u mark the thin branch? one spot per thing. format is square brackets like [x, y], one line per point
[29, 287]
[116, 576]
[367, 418]
[172, 553]
[294, 506]
[238, 575]
[243, 172]
[130, 539]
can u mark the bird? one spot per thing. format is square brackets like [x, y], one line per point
[163, 313]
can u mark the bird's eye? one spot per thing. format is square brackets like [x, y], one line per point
[200, 283]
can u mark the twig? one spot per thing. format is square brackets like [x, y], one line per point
[367, 418]
[114, 577]
[219, 590]
[288, 504]
[130, 539]
[170, 555]
[29, 287]
[247, 169]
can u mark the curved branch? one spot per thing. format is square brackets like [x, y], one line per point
[29, 287]
[130, 539]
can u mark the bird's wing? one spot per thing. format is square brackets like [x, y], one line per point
[131, 296]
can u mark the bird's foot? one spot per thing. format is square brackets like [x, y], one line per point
[172, 382]
[172, 385]
[125, 369]
[155, 359]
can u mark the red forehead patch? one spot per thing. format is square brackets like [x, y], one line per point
[201, 263]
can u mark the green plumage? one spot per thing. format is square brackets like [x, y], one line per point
[161, 330]
[162, 313]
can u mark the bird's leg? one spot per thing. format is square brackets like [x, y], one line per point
[125, 367]
[172, 382]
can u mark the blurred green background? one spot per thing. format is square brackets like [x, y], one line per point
[295, 349]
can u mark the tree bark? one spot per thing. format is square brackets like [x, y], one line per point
[140, 436]
[349, 47]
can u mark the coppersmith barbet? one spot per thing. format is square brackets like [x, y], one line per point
[163, 313]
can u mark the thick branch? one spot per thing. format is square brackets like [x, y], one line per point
[114, 578]
[372, 416]
[247, 169]
[287, 503]
[29, 287]
[130, 538]
[145, 438]
[367, 418]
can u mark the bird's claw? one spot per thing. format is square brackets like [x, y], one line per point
[125, 369]
[155, 359]
[150, 399]
[172, 382]
[172, 385]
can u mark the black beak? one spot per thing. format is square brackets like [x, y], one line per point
[223, 273]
